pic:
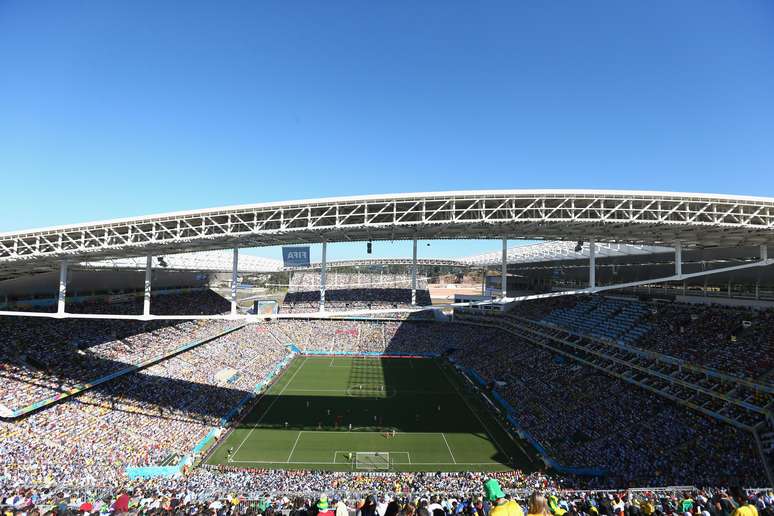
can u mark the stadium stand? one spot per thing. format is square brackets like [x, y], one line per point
[43, 357]
[383, 495]
[354, 299]
[735, 340]
[138, 419]
[353, 291]
[310, 280]
[558, 396]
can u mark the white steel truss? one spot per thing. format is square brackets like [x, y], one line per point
[429, 262]
[209, 261]
[559, 250]
[606, 216]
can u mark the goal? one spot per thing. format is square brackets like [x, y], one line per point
[372, 461]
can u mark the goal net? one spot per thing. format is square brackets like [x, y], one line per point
[372, 461]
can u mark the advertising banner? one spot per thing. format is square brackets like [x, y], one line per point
[295, 256]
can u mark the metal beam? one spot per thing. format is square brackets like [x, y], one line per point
[147, 292]
[62, 288]
[355, 313]
[504, 270]
[678, 259]
[592, 264]
[658, 218]
[322, 276]
[414, 273]
[234, 267]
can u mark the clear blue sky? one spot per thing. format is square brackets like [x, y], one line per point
[111, 109]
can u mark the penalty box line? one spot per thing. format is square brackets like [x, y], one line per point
[344, 452]
[337, 452]
[394, 391]
[318, 463]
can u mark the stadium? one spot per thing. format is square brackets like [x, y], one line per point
[626, 347]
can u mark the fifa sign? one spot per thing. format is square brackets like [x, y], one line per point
[295, 256]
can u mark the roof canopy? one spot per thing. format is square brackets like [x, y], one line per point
[642, 218]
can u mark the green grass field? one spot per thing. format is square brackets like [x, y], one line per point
[303, 420]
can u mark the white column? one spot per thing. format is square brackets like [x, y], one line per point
[322, 276]
[414, 275]
[504, 270]
[62, 287]
[678, 259]
[234, 266]
[757, 289]
[147, 294]
[592, 264]
[764, 253]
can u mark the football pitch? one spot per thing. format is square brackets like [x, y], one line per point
[373, 413]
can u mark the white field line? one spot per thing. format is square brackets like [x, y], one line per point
[349, 389]
[448, 447]
[412, 463]
[465, 400]
[344, 452]
[294, 446]
[266, 411]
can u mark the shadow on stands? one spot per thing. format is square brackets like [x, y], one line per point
[146, 393]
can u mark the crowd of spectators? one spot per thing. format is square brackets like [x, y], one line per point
[432, 495]
[583, 418]
[396, 337]
[40, 358]
[310, 280]
[580, 417]
[353, 291]
[736, 340]
[138, 419]
[354, 299]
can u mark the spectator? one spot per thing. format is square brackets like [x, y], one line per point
[369, 507]
[500, 505]
[322, 507]
[341, 508]
[537, 505]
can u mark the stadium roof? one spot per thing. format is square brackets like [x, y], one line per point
[210, 261]
[422, 262]
[635, 217]
[221, 261]
[560, 250]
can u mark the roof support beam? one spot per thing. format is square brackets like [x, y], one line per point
[234, 267]
[607, 216]
[678, 259]
[322, 275]
[504, 270]
[414, 273]
[62, 288]
[147, 293]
